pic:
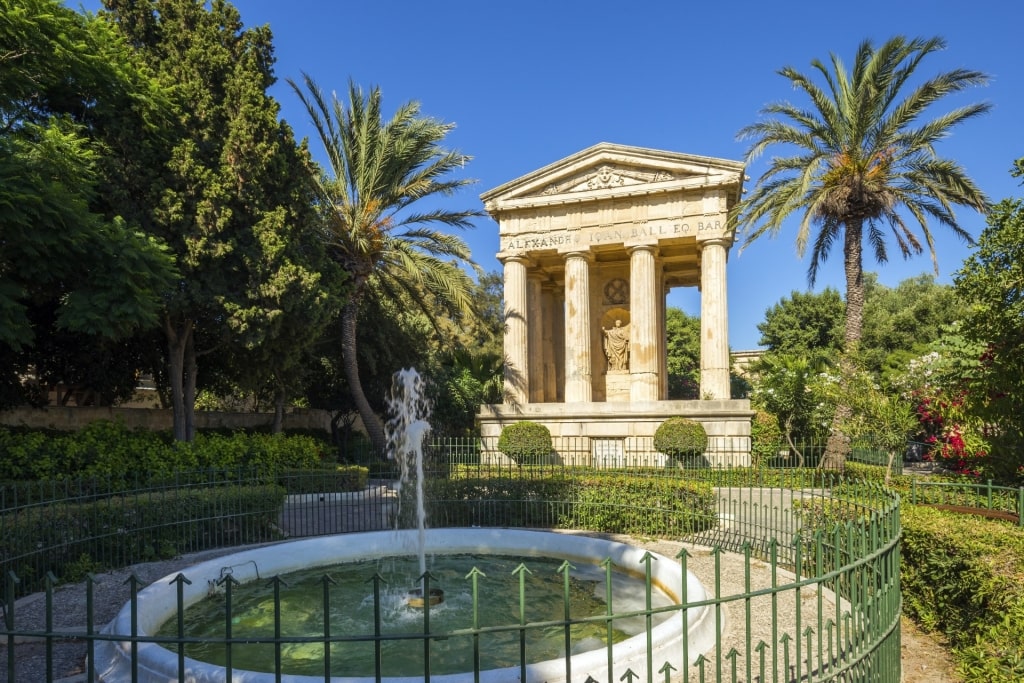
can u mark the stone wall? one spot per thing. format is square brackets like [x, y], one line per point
[154, 419]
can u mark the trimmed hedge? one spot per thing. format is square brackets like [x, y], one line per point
[960, 574]
[110, 451]
[334, 478]
[525, 442]
[612, 502]
[73, 538]
[965, 577]
[681, 438]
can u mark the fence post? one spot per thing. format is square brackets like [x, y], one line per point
[9, 605]
[1020, 506]
[989, 490]
[913, 491]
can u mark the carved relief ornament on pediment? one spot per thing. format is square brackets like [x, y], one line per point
[606, 177]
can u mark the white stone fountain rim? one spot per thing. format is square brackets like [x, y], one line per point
[158, 602]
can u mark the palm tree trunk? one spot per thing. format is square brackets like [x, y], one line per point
[838, 446]
[373, 425]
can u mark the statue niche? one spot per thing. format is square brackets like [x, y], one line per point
[616, 346]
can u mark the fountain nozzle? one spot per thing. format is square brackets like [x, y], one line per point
[415, 598]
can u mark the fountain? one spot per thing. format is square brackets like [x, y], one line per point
[656, 644]
[407, 428]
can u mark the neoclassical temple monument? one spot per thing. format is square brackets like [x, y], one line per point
[591, 245]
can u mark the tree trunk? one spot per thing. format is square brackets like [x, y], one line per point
[838, 446]
[278, 426]
[177, 341]
[888, 467]
[373, 425]
[191, 371]
[792, 446]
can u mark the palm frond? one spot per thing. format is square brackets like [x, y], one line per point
[863, 156]
[822, 247]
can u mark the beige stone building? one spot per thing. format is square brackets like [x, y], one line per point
[590, 247]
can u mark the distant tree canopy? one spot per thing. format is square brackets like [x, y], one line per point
[898, 322]
[158, 216]
[77, 275]
[804, 322]
[222, 183]
[991, 284]
[682, 333]
[67, 86]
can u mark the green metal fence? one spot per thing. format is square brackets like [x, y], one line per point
[979, 495]
[801, 569]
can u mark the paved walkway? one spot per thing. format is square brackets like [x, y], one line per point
[337, 513]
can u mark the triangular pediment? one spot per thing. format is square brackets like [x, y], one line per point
[606, 170]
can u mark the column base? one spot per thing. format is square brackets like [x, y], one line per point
[643, 386]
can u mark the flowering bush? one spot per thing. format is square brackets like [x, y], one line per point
[935, 384]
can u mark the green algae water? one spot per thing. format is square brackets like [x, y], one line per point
[351, 616]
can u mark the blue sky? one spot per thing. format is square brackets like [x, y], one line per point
[531, 82]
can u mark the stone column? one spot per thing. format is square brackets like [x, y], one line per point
[714, 320]
[517, 366]
[663, 339]
[643, 324]
[578, 364]
[535, 332]
[558, 345]
[550, 301]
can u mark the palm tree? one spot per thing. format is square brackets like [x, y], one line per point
[377, 170]
[862, 160]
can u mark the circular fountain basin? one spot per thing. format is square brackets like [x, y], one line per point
[158, 602]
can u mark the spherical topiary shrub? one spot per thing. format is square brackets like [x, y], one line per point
[525, 442]
[681, 438]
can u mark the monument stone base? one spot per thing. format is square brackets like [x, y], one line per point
[617, 384]
[621, 434]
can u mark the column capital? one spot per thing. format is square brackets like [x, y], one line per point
[726, 242]
[516, 258]
[586, 255]
[652, 248]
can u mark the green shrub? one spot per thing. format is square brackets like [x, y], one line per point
[964, 576]
[63, 538]
[330, 478]
[500, 501]
[525, 442]
[765, 438]
[681, 438]
[644, 506]
[866, 472]
[615, 502]
[121, 457]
